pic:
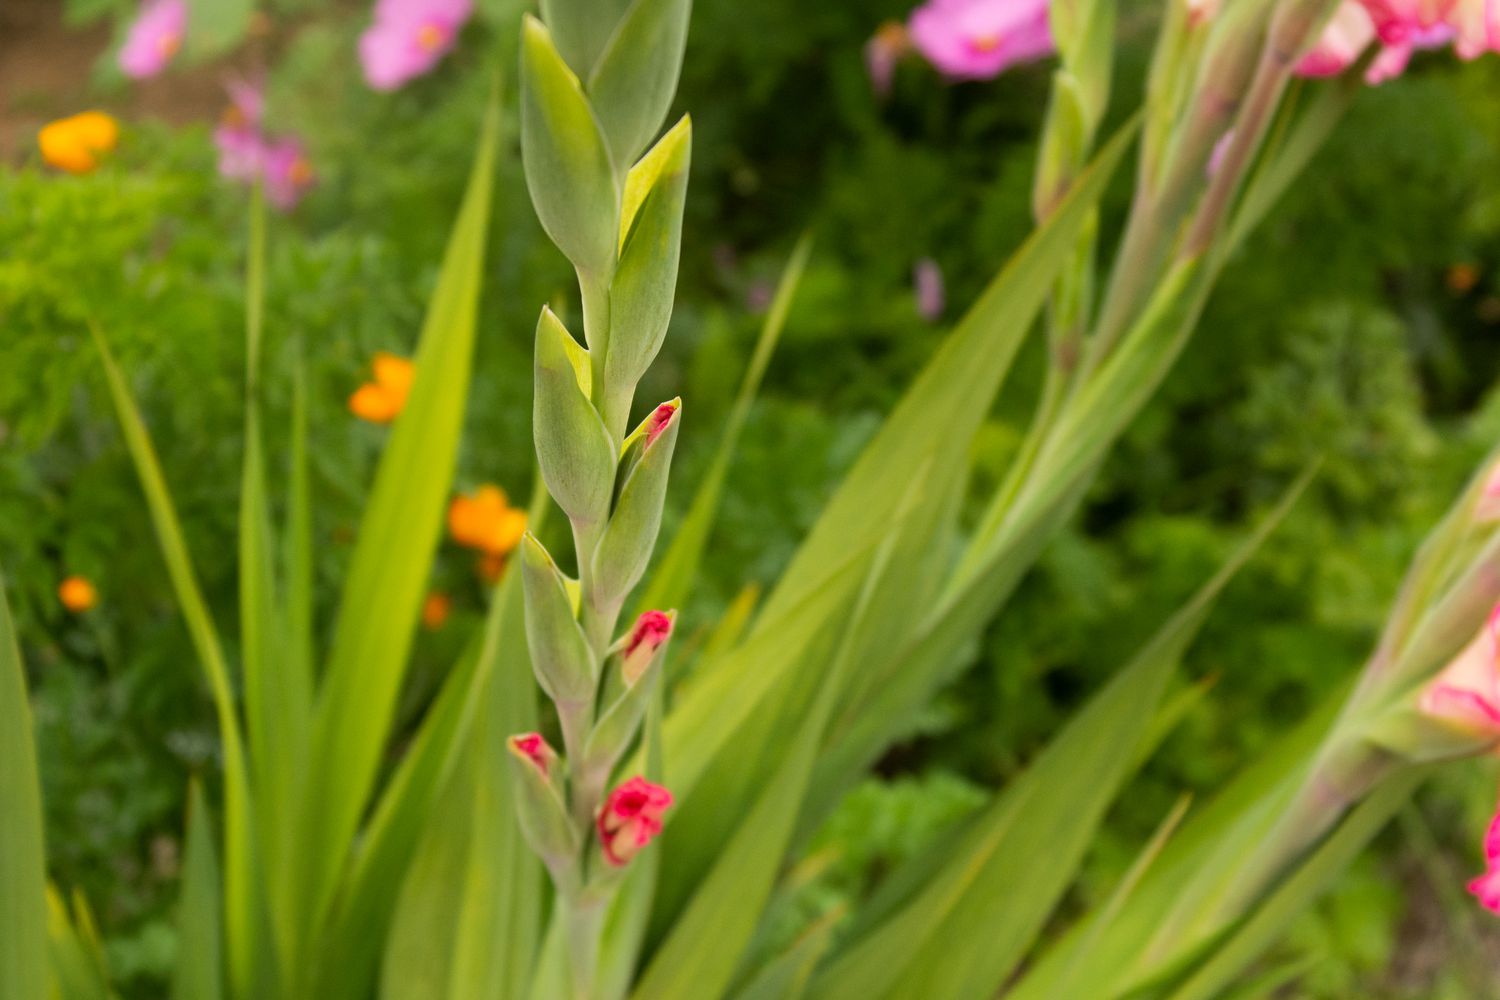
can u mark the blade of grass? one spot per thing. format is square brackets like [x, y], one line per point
[673, 577]
[388, 574]
[199, 970]
[244, 908]
[23, 874]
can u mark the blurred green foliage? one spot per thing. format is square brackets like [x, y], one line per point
[1347, 330]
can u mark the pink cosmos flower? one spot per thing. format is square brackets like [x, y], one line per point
[238, 137]
[883, 51]
[154, 38]
[630, 819]
[288, 173]
[979, 39]
[1487, 886]
[409, 38]
[248, 153]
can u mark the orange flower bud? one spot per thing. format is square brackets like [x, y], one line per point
[77, 594]
[435, 610]
[76, 144]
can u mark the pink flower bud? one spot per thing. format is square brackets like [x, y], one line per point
[631, 818]
[1487, 886]
[927, 282]
[882, 52]
[535, 749]
[652, 629]
[658, 421]
[1465, 695]
[1487, 509]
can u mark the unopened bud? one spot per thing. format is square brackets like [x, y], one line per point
[539, 802]
[650, 633]
[630, 819]
[630, 535]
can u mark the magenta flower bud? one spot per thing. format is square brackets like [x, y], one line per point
[652, 629]
[1486, 888]
[1465, 695]
[153, 38]
[660, 418]
[535, 749]
[1487, 507]
[630, 819]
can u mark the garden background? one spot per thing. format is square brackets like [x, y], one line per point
[1360, 325]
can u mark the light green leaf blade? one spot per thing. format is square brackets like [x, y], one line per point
[199, 972]
[631, 86]
[969, 927]
[574, 187]
[23, 874]
[389, 571]
[244, 905]
[672, 579]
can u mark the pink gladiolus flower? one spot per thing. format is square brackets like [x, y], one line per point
[1220, 150]
[658, 421]
[409, 38]
[979, 39]
[883, 51]
[1202, 11]
[154, 38]
[1487, 886]
[1466, 693]
[1487, 509]
[1477, 25]
[630, 819]
[927, 283]
[651, 630]
[535, 749]
[1348, 33]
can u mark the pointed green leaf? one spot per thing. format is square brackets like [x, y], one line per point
[23, 901]
[390, 568]
[646, 280]
[560, 652]
[199, 972]
[632, 85]
[572, 446]
[630, 536]
[568, 169]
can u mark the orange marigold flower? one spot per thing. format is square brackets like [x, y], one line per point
[381, 400]
[1461, 277]
[77, 143]
[77, 594]
[485, 521]
[435, 610]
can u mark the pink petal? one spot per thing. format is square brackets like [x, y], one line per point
[153, 38]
